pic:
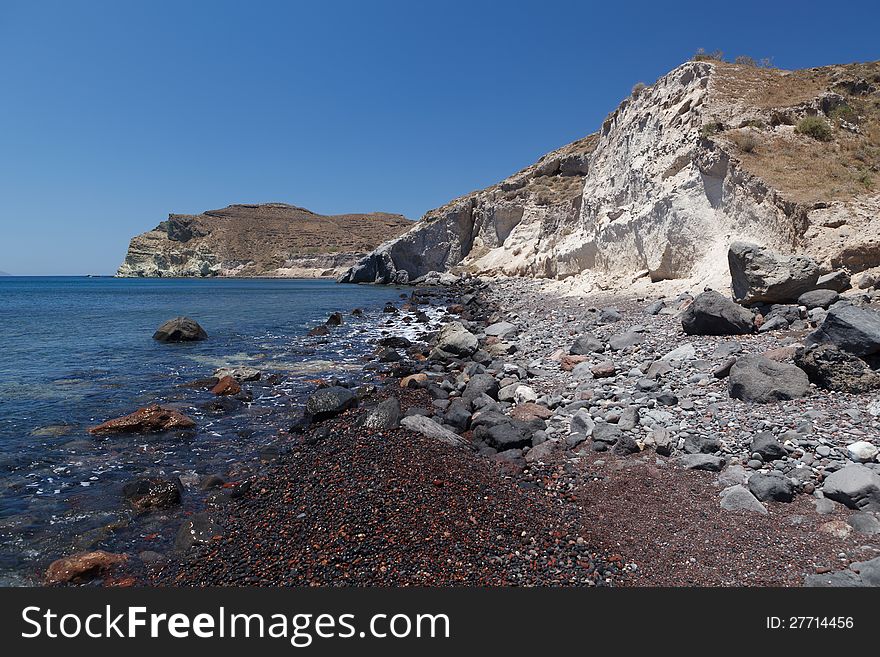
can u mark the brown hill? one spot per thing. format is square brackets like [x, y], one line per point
[267, 239]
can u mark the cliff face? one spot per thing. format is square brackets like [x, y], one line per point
[271, 239]
[711, 153]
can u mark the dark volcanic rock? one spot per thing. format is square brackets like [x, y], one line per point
[180, 329]
[759, 379]
[153, 493]
[586, 344]
[335, 319]
[197, 530]
[850, 328]
[226, 386]
[771, 487]
[328, 402]
[818, 298]
[760, 275]
[830, 368]
[713, 314]
[385, 416]
[768, 447]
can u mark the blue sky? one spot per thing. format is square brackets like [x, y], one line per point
[114, 114]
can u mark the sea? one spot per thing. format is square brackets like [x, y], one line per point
[77, 351]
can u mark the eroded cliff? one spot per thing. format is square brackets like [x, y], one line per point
[711, 153]
[269, 239]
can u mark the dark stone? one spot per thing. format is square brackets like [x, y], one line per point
[335, 319]
[153, 493]
[586, 344]
[197, 530]
[830, 368]
[329, 402]
[385, 416]
[761, 380]
[818, 298]
[625, 445]
[180, 329]
[768, 447]
[771, 487]
[850, 328]
[710, 313]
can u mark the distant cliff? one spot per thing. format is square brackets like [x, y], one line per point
[267, 239]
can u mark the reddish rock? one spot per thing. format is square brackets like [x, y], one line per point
[568, 362]
[603, 370]
[82, 565]
[226, 386]
[530, 411]
[144, 420]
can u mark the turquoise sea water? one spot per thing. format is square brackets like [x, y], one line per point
[77, 351]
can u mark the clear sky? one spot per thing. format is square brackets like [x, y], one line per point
[113, 114]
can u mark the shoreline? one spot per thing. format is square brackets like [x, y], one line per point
[647, 519]
[343, 502]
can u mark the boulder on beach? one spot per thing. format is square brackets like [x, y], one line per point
[455, 341]
[761, 380]
[818, 298]
[82, 566]
[150, 419]
[760, 275]
[329, 402]
[386, 415]
[830, 368]
[180, 329]
[856, 486]
[711, 313]
[586, 344]
[850, 328]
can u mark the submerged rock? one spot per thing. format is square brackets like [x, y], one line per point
[153, 418]
[153, 493]
[82, 566]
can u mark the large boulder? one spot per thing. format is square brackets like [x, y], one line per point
[761, 380]
[850, 328]
[856, 486]
[773, 486]
[329, 402]
[180, 329]
[456, 341]
[830, 368]
[836, 280]
[740, 498]
[152, 418]
[480, 384]
[760, 275]
[710, 313]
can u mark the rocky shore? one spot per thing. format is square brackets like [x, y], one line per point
[524, 437]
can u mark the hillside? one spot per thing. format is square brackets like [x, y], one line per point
[270, 239]
[710, 153]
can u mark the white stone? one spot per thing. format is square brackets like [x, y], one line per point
[862, 451]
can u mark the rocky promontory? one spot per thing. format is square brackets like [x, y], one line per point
[256, 240]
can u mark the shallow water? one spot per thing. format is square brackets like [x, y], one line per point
[77, 351]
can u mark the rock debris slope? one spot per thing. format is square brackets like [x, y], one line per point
[710, 154]
[269, 239]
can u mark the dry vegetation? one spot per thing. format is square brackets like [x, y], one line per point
[268, 233]
[817, 134]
